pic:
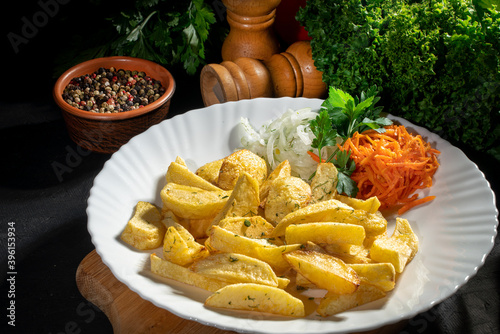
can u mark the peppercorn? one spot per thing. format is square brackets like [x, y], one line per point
[112, 90]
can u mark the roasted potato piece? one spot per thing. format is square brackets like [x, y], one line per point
[333, 303]
[369, 240]
[325, 211]
[180, 247]
[392, 250]
[274, 256]
[209, 246]
[303, 283]
[311, 246]
[192, 202]
[225, 241]
[375, 224]
[253, 227]
[381, 275]
[286, 194]
[404, 232]
[243, 201]
[168, 218]
[241, 161]
[182, 274]
[180, 161]
[236, 268]
[370, 205]
[210, 171]
[180, 174]
[144, 230]
[348, 253]
[257, 297]
[324, 182]
[325, 233]
[198, 227]
[282, 170]
[325, 271]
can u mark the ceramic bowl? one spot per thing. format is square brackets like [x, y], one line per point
[107, 132]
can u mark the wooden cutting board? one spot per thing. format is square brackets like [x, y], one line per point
[129, 313]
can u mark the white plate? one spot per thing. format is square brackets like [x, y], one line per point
[456, 230]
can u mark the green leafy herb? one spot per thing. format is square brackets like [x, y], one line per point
[321, 126]
[164, 32]
[181, 35]
[436, 62]
[341, 116]
[350, 114]
[345, 166]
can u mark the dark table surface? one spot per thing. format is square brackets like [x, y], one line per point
[49, 213]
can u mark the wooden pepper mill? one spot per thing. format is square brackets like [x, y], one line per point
[290, 73]
[251, 31]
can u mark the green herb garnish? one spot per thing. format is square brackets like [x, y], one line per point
[341, 116]
[350, 114]
[345, 167]
[322, 128]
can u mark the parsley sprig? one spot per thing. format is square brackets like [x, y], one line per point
[325, 134]
[342, 115]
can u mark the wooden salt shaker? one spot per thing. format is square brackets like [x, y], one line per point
[290, 73]
[251, 31]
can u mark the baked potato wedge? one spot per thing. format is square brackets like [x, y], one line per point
[392, 250]
[282, 170]
[182, 274]
[324, 182]
[325, 233]
[286, 194]
[180, 247]
[223, 240]
[253, 227]
[236, 268]
[144, 230]
[238, 162]
[210, 171]
[381, 275]
[325, 271]
[256, 297]
[333, 303]
[192, 202]
[243, 201]
[180, 174]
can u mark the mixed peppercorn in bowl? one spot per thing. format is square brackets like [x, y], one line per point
[109, 90]
[106, 101]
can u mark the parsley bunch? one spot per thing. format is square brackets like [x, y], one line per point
[342, 115]
[437, 62]
[164, 32]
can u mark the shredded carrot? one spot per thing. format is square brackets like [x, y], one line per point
[315, 157]
[392, 166]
